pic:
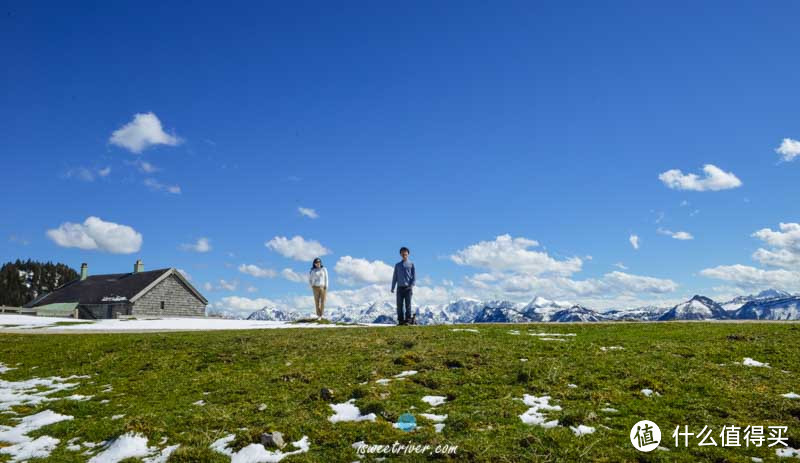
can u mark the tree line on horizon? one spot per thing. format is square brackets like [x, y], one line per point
[17, 289]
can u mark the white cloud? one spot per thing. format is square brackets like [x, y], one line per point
[638, 284]
[679, 235]
[228, 285]
[297, 248]
[561, 287]
[201, 245]
[185, 274]
[222, 285]
[144, 131]
[291, 275]
[144, 166]
[87, 175]
[252, 289]
[784, 245]
[308, 212]
[789, 149]
[634, 239]
[354, 271]
[155, 185]
[751, 278]
[715, 179]
[243, 304]
[620, 266]
[96, 234]
[507, 253]
[256, 271]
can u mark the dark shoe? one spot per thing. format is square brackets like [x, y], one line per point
[402, 322]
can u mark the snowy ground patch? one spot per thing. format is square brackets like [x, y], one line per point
[434, 400]
[403, 374]
[347, 411]
[649, 392]
[257, 453]
[606, 349]
[748, 362]
[35, 391]
[791, 395]
[24, 447]
[787, 452]
[28, 322]
[131, 445]
[552, 335]
[438, 424]
[582, 430]
[538, 405]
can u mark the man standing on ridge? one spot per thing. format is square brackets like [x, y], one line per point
[404, 278]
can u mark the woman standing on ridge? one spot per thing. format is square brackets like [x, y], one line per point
[318, 279]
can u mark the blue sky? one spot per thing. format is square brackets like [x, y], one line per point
[514, 147]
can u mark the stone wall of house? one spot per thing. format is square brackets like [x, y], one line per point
[99, 311]
[178, 300]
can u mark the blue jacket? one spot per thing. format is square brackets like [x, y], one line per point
[404, 274]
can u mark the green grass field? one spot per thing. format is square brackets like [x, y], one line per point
[156, 378]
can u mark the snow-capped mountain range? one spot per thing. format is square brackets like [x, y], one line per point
[766, 305]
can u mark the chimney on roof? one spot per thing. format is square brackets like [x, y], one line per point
[84, 271]
[138, 266]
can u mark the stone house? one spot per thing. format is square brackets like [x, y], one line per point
[163, 292]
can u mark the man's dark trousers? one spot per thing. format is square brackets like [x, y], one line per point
[403, 296]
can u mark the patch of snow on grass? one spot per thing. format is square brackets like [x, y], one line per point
[434, 400]
[791, 395]
[347, 411]
[471, 330]
[552, 339]
[787, 452]
[257, 453]
[582, 430]
[128, 445]
[438, 427]
[552, 335]
[606, 349]
[31, 392]
[163, 456]
[4, 368]
[754, 363]
[534, 414]
[649, 392]
[199, 403]
[609, 410]
[24, 447]
[383, 381]
[406, 373]
[432, 417]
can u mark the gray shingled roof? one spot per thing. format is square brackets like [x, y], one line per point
[101, 289]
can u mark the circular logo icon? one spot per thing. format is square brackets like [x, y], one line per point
[406, 422]
[645, 436]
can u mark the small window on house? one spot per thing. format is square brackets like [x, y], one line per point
[162, 305]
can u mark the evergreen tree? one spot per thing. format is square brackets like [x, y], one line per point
[21, 282]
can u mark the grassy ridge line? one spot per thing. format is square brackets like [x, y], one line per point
[156, 378]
